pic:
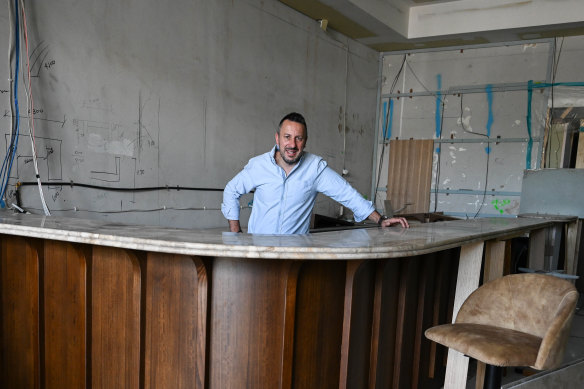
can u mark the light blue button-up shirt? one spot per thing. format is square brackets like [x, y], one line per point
[283, 204]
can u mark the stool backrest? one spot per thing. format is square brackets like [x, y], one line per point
[537, 304]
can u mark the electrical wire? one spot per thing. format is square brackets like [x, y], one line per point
[488, 155]
[30, 110]
[442, 99]
[380, 165]
[462, 122]
[486, 182]
[11, 151]
[11, 80]
[118, 189]
[21, 208]
[10, 48]
[138, 210]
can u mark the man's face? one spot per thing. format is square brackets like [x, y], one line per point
[291, 141]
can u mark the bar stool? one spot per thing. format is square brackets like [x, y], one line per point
[516, 320]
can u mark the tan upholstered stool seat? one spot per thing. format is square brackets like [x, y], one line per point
[493, 345]
[516, 320]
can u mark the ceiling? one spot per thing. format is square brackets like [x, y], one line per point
[393, 25]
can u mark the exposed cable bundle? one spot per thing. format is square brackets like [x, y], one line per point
[11, 152]
[30, 110]
[13, 50]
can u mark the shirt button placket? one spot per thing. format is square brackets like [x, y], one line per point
[282, 203]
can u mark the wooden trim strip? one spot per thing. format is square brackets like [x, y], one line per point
[352, 268]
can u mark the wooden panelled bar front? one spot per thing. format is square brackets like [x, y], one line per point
[86, 304]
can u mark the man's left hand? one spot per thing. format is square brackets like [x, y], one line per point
[395, 220]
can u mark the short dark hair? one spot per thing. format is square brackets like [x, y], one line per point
[294, 117]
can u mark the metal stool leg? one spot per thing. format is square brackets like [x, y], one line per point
[493, 377]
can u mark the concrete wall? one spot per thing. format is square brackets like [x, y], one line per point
[460, 96]
[133, 94]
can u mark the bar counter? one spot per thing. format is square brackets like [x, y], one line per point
[90, 304]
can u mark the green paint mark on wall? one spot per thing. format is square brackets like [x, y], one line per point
[499, 205]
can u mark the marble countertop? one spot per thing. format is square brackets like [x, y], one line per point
[362, 243]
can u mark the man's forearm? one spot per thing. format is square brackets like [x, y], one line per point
[374, 217]
[234, 226]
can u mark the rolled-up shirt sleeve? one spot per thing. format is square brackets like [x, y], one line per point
[336, 187]
[241, 184]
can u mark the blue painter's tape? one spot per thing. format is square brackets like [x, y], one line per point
[387, 122]
[547, 85]
[489, 90]
[390, 123]
[384, 119]
[530, 141]
[438, 115]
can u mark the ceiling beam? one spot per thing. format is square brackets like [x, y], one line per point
[470, 16]
[393, 13]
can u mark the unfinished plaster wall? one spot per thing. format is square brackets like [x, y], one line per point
[155, 94]
[475, 104]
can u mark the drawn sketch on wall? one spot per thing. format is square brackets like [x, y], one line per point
[131, 108]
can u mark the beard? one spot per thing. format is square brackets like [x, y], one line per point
[288, 160]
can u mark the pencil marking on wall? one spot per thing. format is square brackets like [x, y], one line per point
[38, 56]
[142, 103]
[97, 105]
[48, 158]
[108, 176]
[103, 137]
[139, 123]
[61, 122]
[133, 201]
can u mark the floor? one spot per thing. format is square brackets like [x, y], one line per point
[574, 349]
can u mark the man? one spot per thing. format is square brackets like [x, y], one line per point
[286, 181]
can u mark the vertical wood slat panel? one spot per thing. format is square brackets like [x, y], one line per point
[410, 174]
[19, 315]
[289, 325]
[405, 328]
[248, 318]
[357, 324]
[319, 324]
[376, 324]
[442, 302]
[386, 303]
[426, 291]
[174, 340]
[115, 317]
[65, 309]
[410, 295]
